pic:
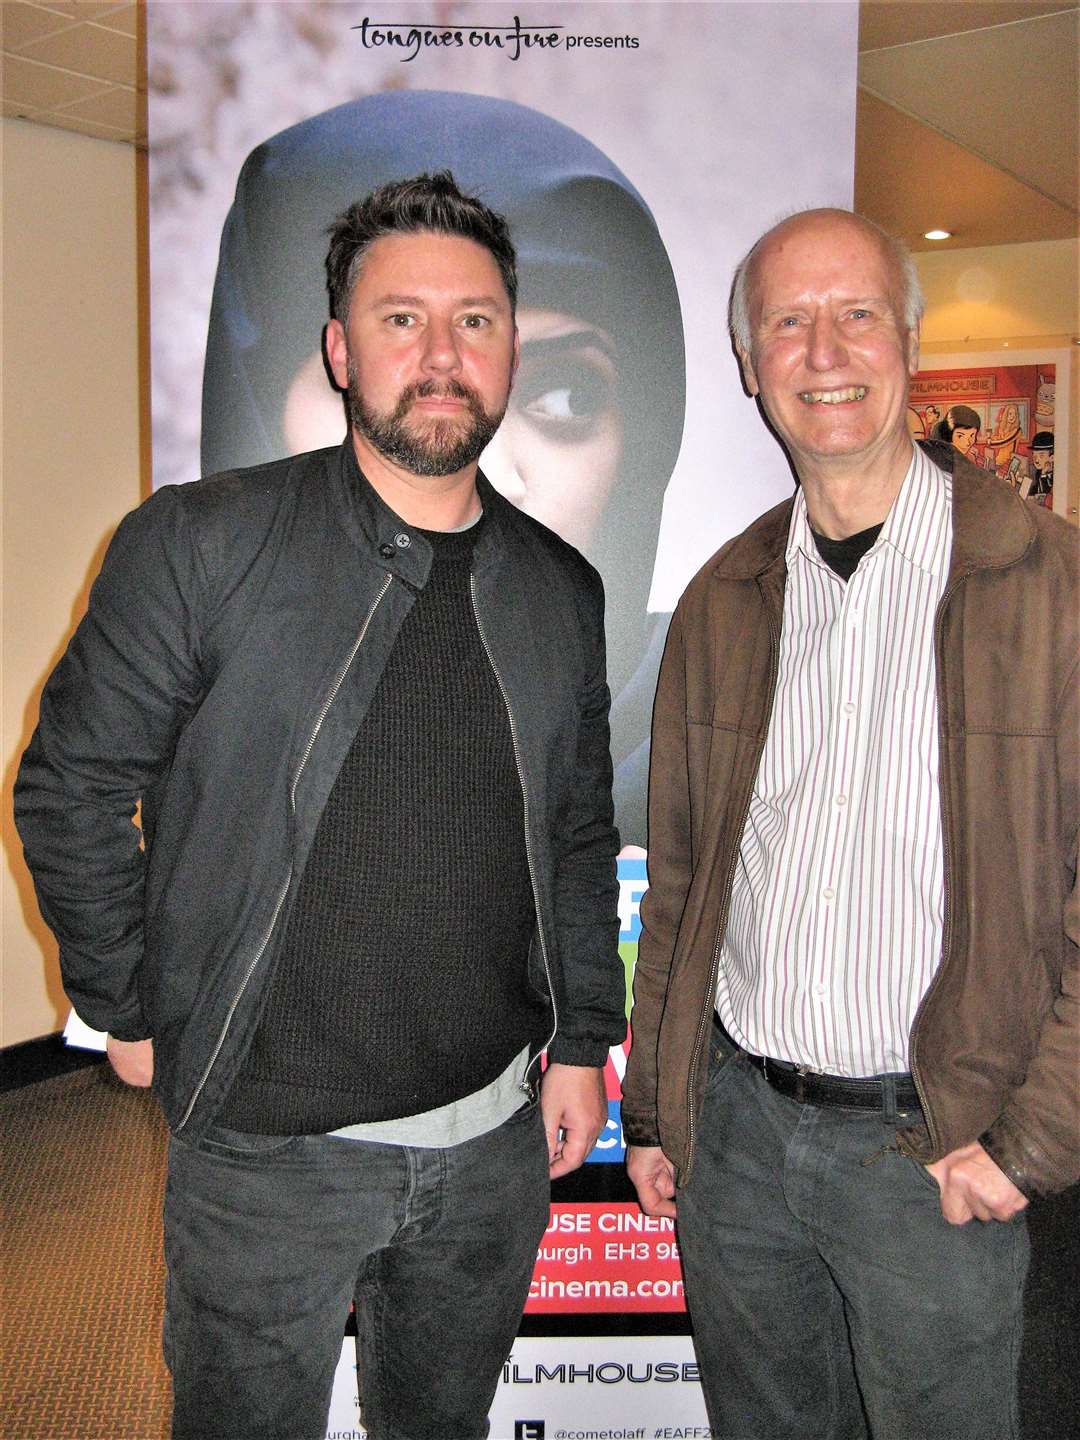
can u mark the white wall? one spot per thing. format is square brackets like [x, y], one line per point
[71, 450]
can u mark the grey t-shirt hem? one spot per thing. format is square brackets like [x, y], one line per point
[465, 1119]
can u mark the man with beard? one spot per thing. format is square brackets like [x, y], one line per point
[361, 699]
[594, 424]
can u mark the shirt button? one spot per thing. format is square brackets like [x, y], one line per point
[387, 552]
[849, 708]
[841, 799]
[402, 541]
[828, 892]
[819, 989]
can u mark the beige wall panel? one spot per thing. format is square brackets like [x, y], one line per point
[999, 291]
[71, 450]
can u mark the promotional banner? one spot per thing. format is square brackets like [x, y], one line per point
[574, 1389]
[637, 151]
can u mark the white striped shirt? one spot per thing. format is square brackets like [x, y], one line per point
[835, 925]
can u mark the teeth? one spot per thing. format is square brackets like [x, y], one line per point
[832, 397]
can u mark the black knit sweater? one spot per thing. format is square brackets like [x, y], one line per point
[401, 980]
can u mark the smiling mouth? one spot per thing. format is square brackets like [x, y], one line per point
[833, 397]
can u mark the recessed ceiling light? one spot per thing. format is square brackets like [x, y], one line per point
[937, 235]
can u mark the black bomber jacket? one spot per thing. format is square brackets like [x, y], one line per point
[232, 643]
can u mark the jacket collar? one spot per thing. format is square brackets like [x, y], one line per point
[399, 548]
[992, 526]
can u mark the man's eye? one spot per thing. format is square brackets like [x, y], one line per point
[400, 321]
[475, 322]
[859, 314]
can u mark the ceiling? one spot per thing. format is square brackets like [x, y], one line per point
[75, 64]
[967, 109]
[968, 120]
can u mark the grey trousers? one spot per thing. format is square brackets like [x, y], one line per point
[268, 1239]
[830, 1299]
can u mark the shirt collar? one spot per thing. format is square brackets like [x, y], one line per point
[800, 540]
[918, 526]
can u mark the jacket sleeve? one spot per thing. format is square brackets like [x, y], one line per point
[586, 888]
[670, 873]
[110, 716]
[1036, 1139]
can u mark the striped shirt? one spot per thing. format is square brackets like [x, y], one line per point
[835, 924]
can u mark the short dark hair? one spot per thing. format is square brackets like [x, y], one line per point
[962, 417]
[408, 207]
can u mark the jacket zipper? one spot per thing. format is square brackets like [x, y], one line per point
[525, 1083]
[721, 925]
[338, 682]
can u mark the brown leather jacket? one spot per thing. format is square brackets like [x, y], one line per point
[995, 1045]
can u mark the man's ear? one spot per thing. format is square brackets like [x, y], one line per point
[749, 378]
[913, 351]
[337, 353]
[516, 361]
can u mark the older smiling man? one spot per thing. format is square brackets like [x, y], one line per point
[855, 1021]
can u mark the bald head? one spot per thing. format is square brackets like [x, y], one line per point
[829, 341]
[825, 222]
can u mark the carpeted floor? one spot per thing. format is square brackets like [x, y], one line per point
[83, 1174]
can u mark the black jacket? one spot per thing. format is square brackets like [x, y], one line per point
[233, 641]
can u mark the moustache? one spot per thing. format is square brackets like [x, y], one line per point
[440, 390]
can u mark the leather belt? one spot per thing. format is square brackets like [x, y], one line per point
[811, 1087]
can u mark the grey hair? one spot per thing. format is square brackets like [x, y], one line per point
[898, 253]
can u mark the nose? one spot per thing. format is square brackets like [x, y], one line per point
[441, 355]
[825, 345]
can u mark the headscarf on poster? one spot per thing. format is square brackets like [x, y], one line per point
[596, 415]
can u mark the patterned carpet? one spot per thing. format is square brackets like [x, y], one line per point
[83, 1175]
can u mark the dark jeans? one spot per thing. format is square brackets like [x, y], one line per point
[830, 1299]
[268, 1239]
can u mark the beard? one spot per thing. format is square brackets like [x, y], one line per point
[435, 447]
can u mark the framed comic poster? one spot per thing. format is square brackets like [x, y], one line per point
[1004, 410]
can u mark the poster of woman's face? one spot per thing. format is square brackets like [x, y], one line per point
[632, 185]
